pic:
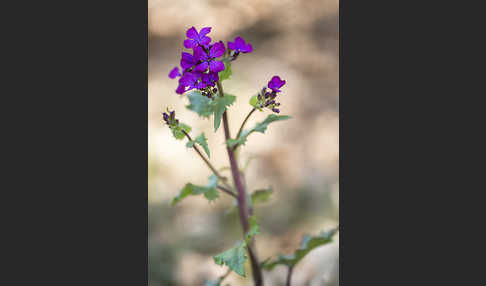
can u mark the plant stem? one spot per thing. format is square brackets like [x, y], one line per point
[205, 160]
[242, 203]
[289, 275]
[244, 122]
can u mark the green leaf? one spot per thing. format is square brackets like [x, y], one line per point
[308, 243]
[259, 127]
[177, 130]
[209, 191]
[220, 104]
[201, 140]
[260, 196]
[262, 126]
[234, 258]
[253, 228]
[200, 104]
[226, 73]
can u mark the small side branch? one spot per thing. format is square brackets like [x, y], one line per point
[224, 179]
[244, 122]
[227, 191]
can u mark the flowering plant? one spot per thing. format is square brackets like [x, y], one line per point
[200, 77]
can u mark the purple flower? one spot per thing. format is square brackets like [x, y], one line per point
[240, 46]
[174, 73]
[208, 79]
[187, 60]
[190, 79]
[196, 38]
[275, 83]
[207, 59]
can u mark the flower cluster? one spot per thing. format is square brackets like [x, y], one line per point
[200, 69]
[267, 98]
[170, 119]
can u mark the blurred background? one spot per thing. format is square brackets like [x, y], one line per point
[297, 40]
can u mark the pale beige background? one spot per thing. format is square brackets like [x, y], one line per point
[297, 40]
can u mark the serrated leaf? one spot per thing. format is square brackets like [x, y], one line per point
[200, 104]
[259, 127]
[308, 243]
[177, 130]
[234, 258]
[226, 73]
[220, 104]
[262, 126]
[201, 140]
[260, 196]
[209, 191]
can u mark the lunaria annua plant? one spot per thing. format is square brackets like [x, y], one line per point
[200, 77]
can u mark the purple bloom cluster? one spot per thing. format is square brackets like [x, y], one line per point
[267, 98]
[200, 69]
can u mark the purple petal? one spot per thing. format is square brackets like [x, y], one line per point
[216, 66]
[180, 89]
[200, 54]
[240, 43]
[232, 46]
[188, 79]
[188, 44]
[213, 76]
[174, 73]
[192, 33]
[202, 66]
[217, 50]
[204, 41]
[187, 60]
[204, 31]
[247, 49]
[201, 85]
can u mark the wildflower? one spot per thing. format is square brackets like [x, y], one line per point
[208, 79]
[190, 79]
[196, 39]
[240, 46]
[174, 73]
[208, 59]
[266, 99]
[275, 83]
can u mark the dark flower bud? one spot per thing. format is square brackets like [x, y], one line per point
[276, 110]
[172, 115]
